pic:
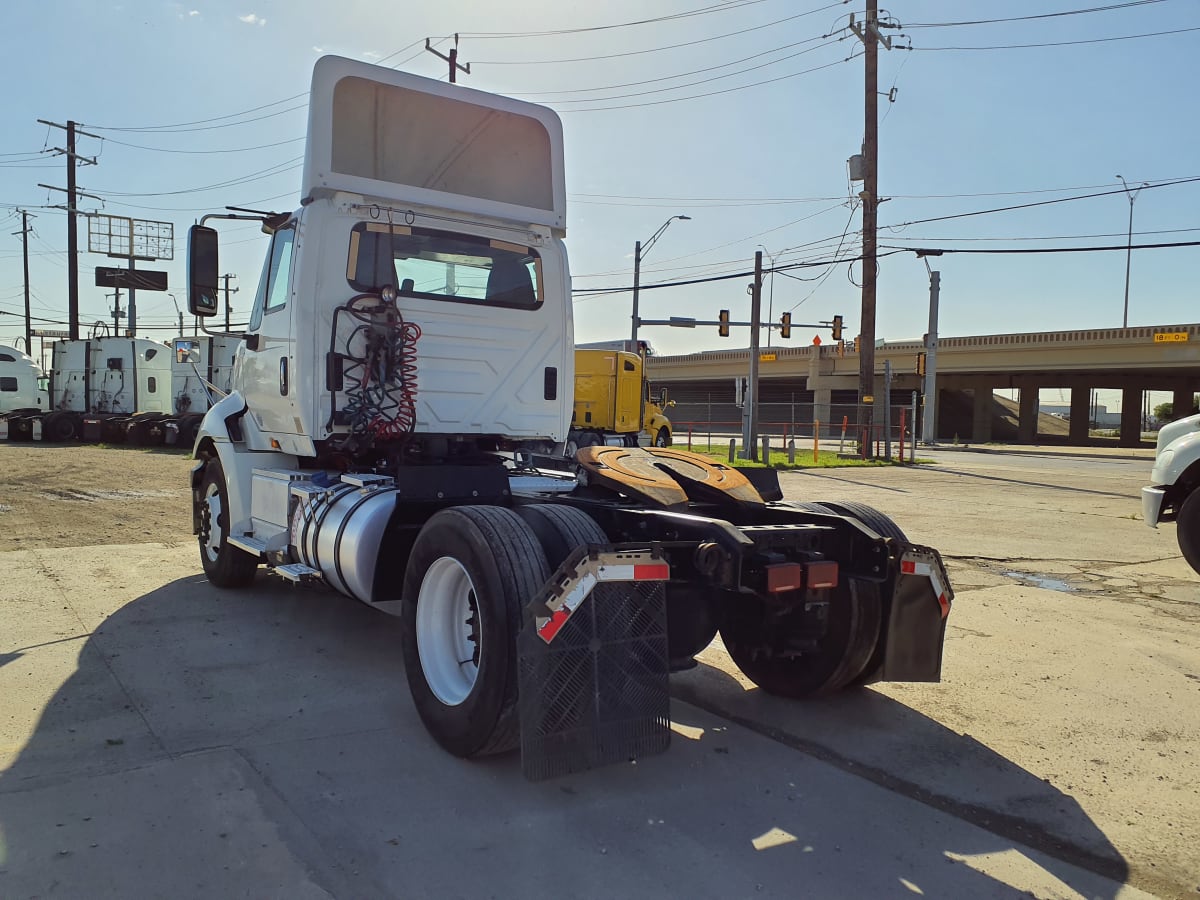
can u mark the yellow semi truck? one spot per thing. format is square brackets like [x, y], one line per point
[613, 402]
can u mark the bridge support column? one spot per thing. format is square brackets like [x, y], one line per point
[1081, 415]
[981, 424]
[822, 404]
[1182, 403]
[1027, 421]
[1131, 417]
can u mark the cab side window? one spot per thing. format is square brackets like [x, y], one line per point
[273, 286]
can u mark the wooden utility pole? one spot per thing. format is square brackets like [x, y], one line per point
[452, 59]
[24, 233]
[73, 195]
[868, 33]
[228, 291]
[750, 441]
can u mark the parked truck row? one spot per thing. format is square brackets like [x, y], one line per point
[116, 390]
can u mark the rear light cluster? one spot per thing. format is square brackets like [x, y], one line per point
[793, 576]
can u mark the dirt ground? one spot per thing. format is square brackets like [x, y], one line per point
[85, 495]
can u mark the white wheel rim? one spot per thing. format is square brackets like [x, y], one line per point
[212, 499]
[448, 640]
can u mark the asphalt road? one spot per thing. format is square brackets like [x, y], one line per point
[163, 738]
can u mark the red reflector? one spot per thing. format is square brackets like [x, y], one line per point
[784, 577]
[908, 567]
[652, 572]
[822, 574]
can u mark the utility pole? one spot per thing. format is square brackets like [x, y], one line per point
[24, 232]
[929, 422]
[227, 293]
[868, 33]
[750, 436]
[117, 312]
[73, 195]
[452, 59]
[1129, 246]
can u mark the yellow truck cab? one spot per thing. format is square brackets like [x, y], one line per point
[613, 404]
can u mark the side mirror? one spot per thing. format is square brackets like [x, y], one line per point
[203, 271]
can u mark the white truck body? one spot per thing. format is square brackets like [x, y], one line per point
[110, 375]
[197, 362]
[395, 429]
[1173, 494]
[22, 384]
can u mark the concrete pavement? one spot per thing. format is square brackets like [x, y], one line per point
[163, 738]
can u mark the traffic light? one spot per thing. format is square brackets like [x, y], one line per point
[723, 327]
[920, 363]
[837, 328]
[785, 325]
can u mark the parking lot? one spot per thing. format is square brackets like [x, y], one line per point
[159, 737]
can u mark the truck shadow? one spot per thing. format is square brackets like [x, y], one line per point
[306, 692]
[875, 737]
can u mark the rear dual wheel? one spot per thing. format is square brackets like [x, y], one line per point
[470, 572]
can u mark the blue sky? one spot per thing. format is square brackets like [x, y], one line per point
[761, 160]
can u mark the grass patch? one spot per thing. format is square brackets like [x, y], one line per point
[826, 459]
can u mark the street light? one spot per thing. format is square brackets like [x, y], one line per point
[178, 310]
[638, 250]
[770, 293]
[1129, 246]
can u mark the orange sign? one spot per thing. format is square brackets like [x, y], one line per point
[816, 340]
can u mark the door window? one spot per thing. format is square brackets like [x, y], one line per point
[273, 286]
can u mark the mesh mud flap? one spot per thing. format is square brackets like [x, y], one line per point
[593, 665]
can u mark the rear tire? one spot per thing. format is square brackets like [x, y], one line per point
[60, 427]
[471, 571]
[225, 565]
[1187, 529]
[868, 515]
[841, 655]
[560, 529]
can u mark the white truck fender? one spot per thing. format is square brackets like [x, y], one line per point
[220, 435]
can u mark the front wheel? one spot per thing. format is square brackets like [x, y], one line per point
[471, 570]
[225, 565]
[1187, 529]
[663, 438]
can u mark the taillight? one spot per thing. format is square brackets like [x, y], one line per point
[822, 574]
[784, 577]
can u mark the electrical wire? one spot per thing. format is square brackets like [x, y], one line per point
[1029, 250]
[1053, 15]
[1123, 37]
[187, 126]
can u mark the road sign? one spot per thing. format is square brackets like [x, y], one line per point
[766, 357]
[1171, 337]
[138, 279]
[50, 333]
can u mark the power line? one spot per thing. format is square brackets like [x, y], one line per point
[720, 7]
[187, 125]
[1123, 37]
[221, 150]
[1027, 250]
[984, 212]
[656, 49]
[1054, 15]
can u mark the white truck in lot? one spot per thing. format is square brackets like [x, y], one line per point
[396, 427]
[23, 387]
[1174, 492]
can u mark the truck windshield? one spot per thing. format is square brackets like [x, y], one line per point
[443, 266]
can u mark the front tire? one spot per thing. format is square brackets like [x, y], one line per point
[471, 571]
[225, 565]
[1187, 529]
[663, 438]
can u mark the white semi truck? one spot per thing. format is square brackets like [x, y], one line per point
[1174, 492]
[23, 387]
[395, 429]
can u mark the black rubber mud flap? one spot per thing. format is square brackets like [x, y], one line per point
[917, 623]
[596, 690]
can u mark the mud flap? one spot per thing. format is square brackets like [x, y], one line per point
[917, 622]
[593, 668]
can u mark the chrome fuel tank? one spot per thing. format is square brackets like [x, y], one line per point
[338, 530]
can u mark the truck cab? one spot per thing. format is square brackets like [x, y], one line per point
[24, 393]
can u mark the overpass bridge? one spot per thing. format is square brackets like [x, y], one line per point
[969, 370]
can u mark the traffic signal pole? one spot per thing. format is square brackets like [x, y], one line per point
[750, 411]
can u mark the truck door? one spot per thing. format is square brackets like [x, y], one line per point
[268, 376]
[629, 393]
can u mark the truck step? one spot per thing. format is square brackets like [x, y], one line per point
[251, 545]
[298, 572]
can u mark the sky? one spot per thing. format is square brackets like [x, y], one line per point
[740, 115]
